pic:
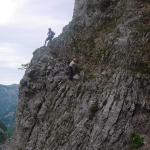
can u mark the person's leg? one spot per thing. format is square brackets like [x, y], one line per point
[70, 73]
[50, 40]
[46, 41]
[75, 70]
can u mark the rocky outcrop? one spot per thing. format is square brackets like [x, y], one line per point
[108, 102]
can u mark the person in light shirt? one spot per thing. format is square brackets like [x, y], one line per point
[72, 67]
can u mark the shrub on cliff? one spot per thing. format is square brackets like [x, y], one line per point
[136, 141]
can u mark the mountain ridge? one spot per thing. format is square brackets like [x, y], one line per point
[108, 102]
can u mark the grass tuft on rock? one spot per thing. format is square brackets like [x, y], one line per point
[136, 141]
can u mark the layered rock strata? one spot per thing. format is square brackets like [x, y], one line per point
[111, 98]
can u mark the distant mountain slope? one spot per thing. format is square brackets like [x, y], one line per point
[9, 118]
[3, 133]
[8, 98]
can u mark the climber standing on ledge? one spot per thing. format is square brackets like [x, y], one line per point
[72, 68]
[50, 36]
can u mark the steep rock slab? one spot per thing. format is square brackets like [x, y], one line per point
[111, 98]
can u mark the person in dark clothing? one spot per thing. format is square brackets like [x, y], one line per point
[50, 36]
[72, 67]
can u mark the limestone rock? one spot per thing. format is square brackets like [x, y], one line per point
[111, 98]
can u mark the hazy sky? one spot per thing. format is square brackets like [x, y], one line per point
[23, 28]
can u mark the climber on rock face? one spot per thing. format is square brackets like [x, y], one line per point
[50, 36]
[72, 68]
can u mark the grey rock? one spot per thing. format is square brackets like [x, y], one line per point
[108, 102]
[45, 59]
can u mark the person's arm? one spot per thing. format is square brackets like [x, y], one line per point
[75, 64]
[53, 33]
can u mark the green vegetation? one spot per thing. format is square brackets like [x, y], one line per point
[101, 52]
[136, 141]
[46, 66]
[111, 24]
[3, 134]
[65, 94]
[145, 29]
[55, 86]
[24, 66]
[10, 130]
[93, 109]
[19, 149]
[43, 98]
[79, 70]
[63, 89]
[60, 138]
[78, 50]
[91, 77]
[143, 67]
[80, 91]
[67, 120]
[2, 138]
[116, 97]
[104, 102]
[39, 107]
[3, 126]
[53, 65]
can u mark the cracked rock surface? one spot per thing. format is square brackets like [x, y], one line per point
[109, 99]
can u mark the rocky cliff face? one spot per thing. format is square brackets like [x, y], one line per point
[111, 98]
